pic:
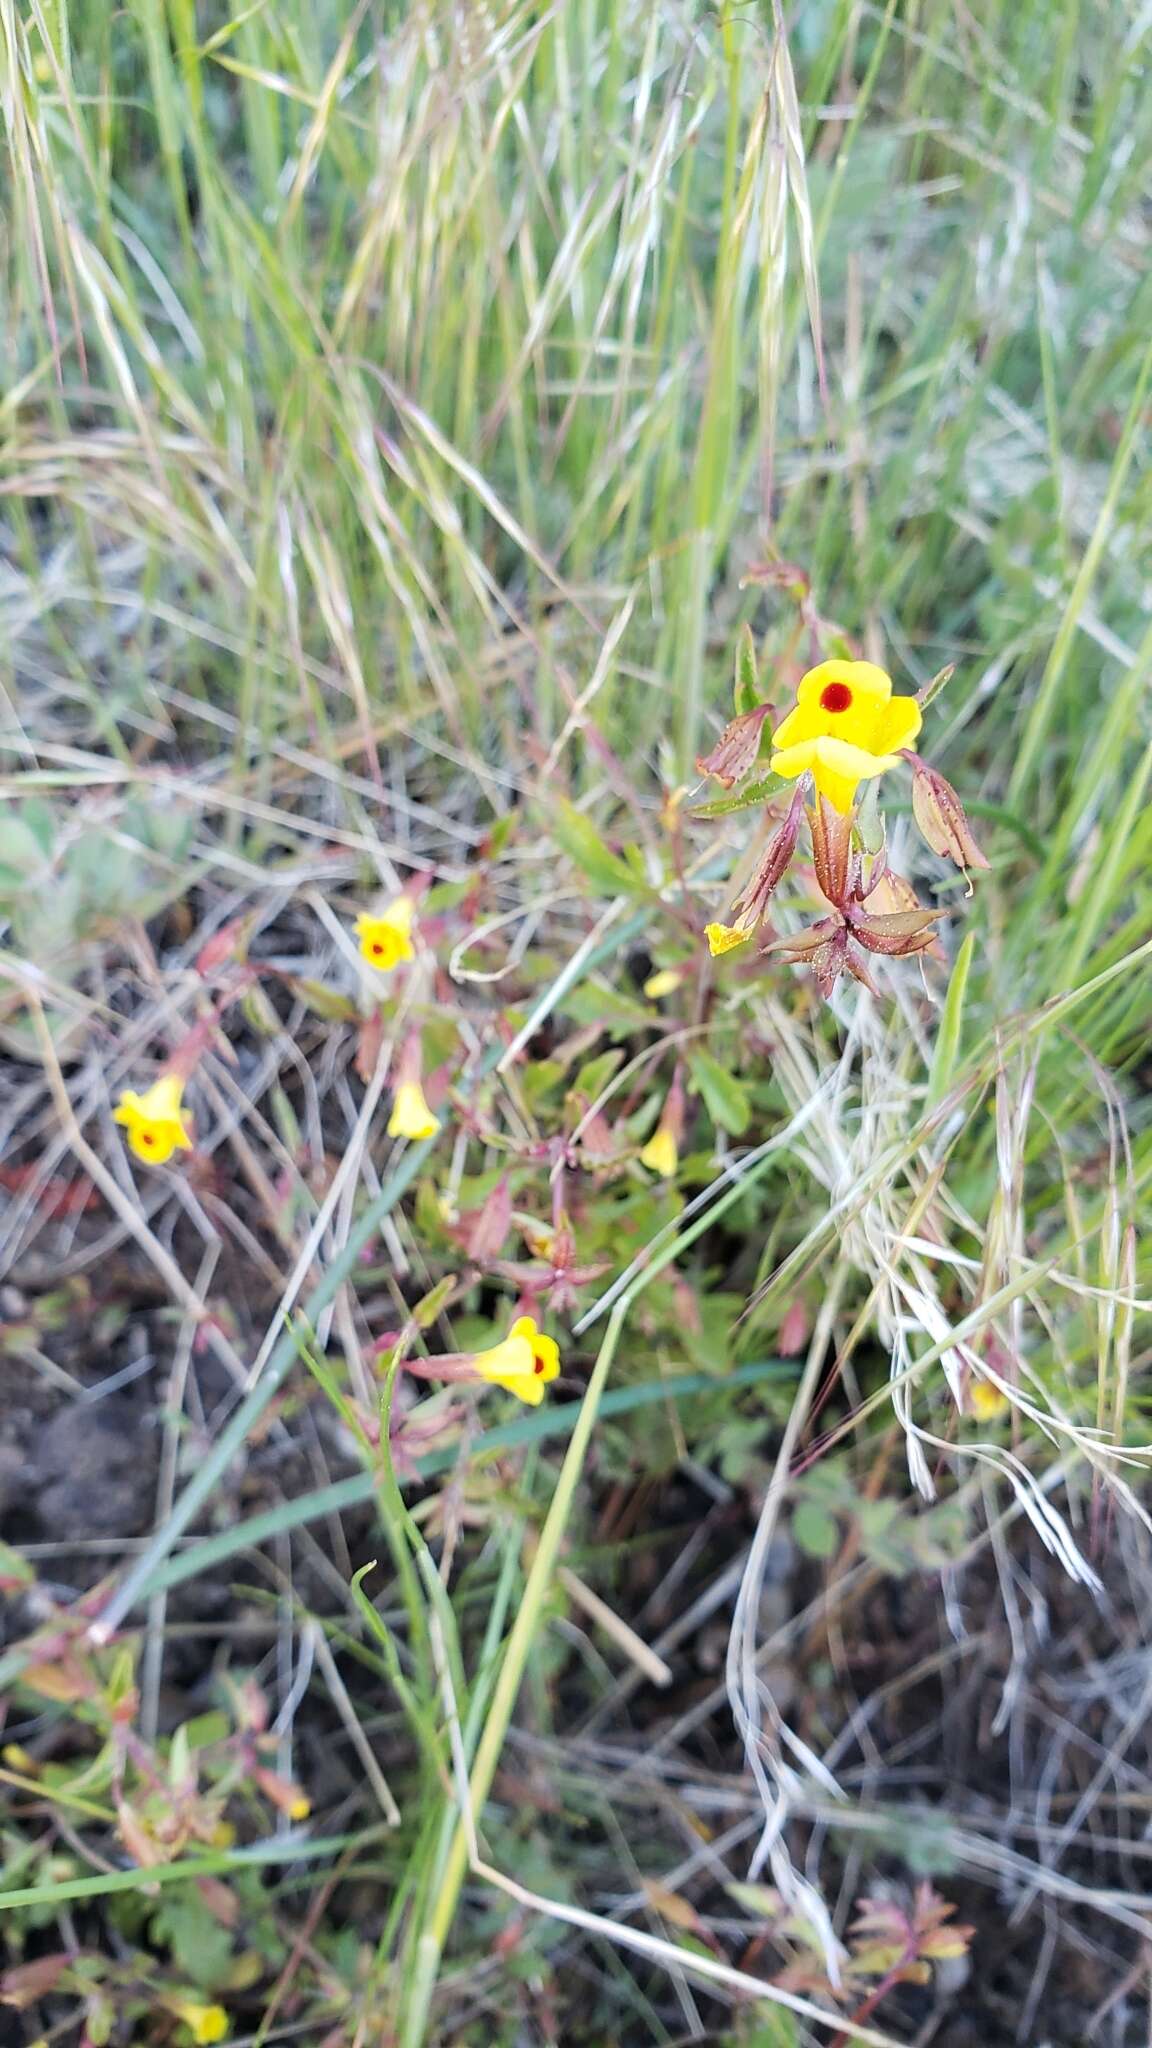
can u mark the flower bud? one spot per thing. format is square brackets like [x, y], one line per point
[940, 815]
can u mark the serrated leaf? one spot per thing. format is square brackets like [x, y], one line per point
[724, 1096]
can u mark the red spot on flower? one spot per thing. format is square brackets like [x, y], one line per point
[146, 1138]
[539, 1365]
[836, 697]
[376, 946]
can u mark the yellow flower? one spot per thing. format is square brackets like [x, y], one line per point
[387, 939]
[661, 1152]
[723, 937]
[204, 2022]
[155, 1121]
[411, 1116]
[522, 1363]
[846, 727]
[662, 983]
[19, 1759]
[986, 1401]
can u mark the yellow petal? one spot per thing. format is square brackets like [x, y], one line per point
[863, 678]
[661, 1154]
[837, 767]
[155, 1121]
[838, 700]
[205, 2022]
[662, 983]
[795, 758]
[545, 1350]
[526, 1387]
[722, 938]
[411, 1116]
[986, 1400]
[165, 1099]
[511, 1364]
[897, 725]
[522, 1363]
[386, 938]
[802, 726]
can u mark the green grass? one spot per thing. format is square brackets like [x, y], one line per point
[400, 407]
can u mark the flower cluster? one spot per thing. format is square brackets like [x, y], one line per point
[158, 1125]
[845, 730]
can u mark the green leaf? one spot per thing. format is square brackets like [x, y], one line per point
[322, 1000]
[201, 1947]
[577, 836]
[951, 1020]
[20, 849]
[756, 792]
[814, 1530]
[724, 1097]
[595, 1074]
[592, 1003]
[14, 1568]
[40, 819]
[774, 2030]
[428, 1308]
[746, 690]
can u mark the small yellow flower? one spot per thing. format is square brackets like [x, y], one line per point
[411, 1116]
[204, 2022]
[387, 939]
[723, 937]
[522, 1363]
[19, 1759]
[662, 983]
[661, 1153]
[155, 1121]
[986, 1401]
[846, 727]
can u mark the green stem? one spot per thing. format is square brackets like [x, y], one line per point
[508, 1684]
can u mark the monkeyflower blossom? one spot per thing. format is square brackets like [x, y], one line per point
[846, 728]
[986, 1401]
[522, 1363]
[156, 1122]
[205, 2023]
[661, 1154]
[411, 1116]
[386, 939]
